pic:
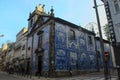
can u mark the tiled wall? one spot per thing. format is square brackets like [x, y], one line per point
[45, 46]
[73, 54]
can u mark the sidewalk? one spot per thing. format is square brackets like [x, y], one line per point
[91, 76]
[67, 78]
[32, 77]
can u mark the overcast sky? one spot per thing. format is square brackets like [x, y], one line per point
[14, 14]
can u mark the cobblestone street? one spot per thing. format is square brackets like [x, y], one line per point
[91, 76]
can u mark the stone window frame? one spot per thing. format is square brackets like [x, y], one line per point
[40, 40]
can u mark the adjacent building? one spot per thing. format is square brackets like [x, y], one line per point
[112, 8]
[0, 58]
[14, 53]
[20, 47]
[9, 55]
[3, 56]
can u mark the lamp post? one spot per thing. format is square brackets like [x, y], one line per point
[101, 41]
[1, 35]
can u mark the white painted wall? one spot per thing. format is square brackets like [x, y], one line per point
[115, 18]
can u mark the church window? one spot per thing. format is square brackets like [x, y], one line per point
[72, 35]
[40, 41]
[90, 40]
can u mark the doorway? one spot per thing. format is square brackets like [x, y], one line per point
[39, 64]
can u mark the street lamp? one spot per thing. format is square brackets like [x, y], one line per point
[1, 35]
[101, 41]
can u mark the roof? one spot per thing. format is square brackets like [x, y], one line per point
[23, 30]
[62, 21]
[73, 25]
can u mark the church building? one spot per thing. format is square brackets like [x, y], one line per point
[55, 46]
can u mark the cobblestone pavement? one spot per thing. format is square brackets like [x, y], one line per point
[92, 76]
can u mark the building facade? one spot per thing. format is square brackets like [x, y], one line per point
[9, 55]
[20, 48]
[112, 8]
[13, 54]
[0, 58]
[55, 46]
[3, 56]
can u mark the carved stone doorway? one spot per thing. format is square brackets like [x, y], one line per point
[39, 70]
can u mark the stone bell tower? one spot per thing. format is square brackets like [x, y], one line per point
[34, 15]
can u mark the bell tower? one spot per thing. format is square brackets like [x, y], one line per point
[39, 10]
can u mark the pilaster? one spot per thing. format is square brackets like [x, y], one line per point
[52, 52]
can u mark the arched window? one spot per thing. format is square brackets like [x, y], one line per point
[72, 35]
[40, 36]
[40, 41]
[90, 40]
